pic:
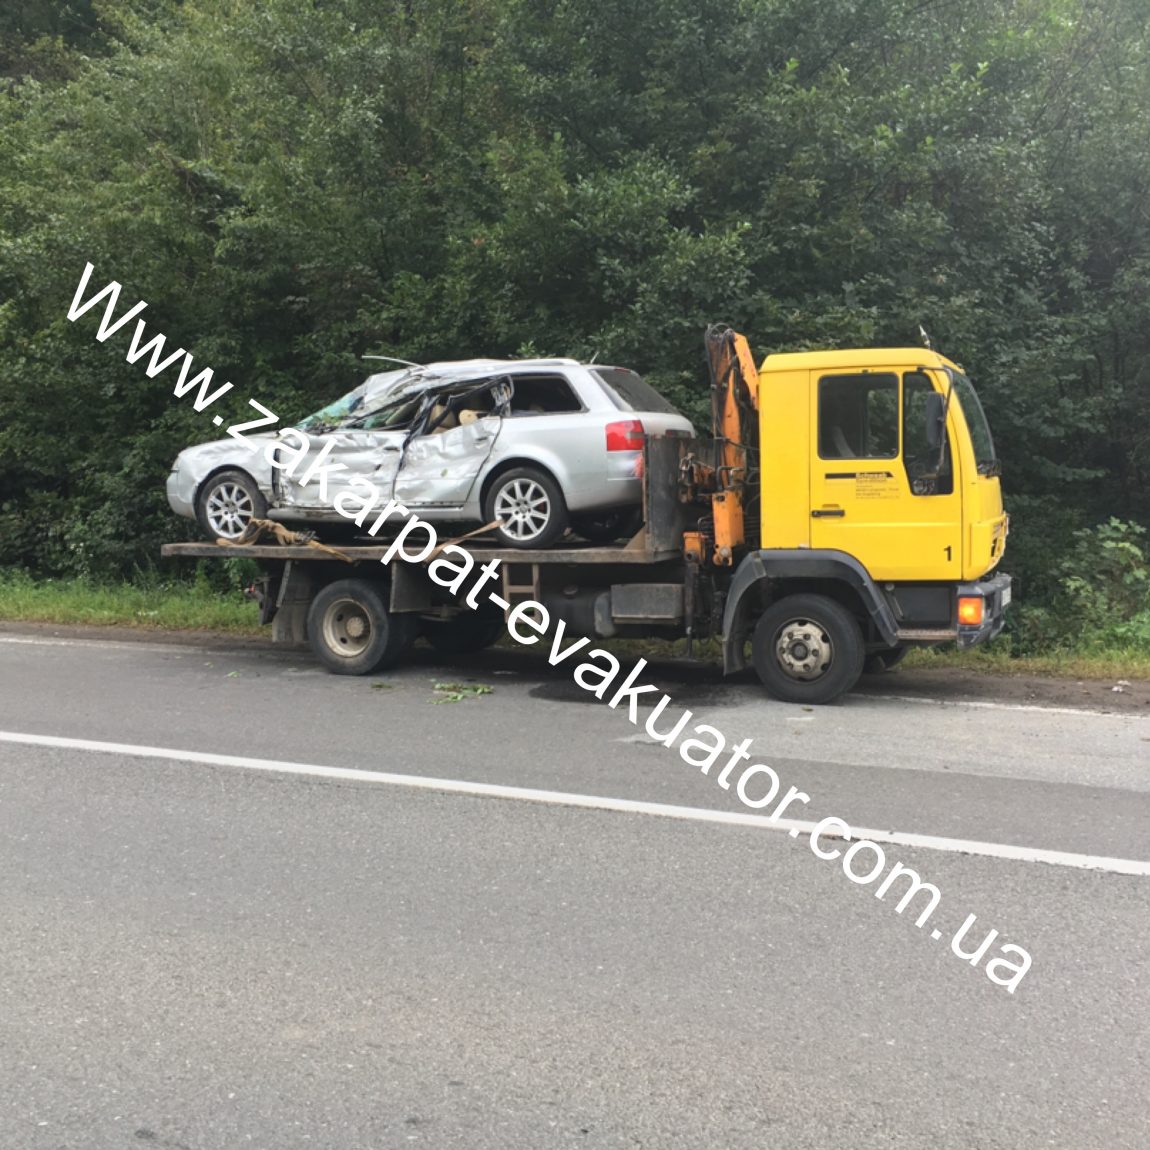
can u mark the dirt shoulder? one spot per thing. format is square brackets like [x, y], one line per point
[954, 684]
[946, 684]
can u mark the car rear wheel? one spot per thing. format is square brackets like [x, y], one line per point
[227, 503]
[808, 649]
[351, 630]
[530, 507]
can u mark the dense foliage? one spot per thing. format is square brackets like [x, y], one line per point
[293, 183]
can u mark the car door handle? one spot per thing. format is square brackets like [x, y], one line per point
[391, 448]
[828, 513]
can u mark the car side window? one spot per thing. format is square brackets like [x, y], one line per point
[858, 416]
[543, 395]
[465, 403]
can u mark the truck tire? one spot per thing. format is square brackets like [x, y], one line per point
[227, 502]
[465, 634]
[879, 662]
[530, 504]
[352, 632]
[808, 649]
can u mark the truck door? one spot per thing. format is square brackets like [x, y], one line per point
[882, 484]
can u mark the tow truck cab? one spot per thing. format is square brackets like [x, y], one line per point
[877, 467]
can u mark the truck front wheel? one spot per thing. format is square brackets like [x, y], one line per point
[351, 630]
[808, 649]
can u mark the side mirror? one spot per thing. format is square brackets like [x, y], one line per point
[935, 417]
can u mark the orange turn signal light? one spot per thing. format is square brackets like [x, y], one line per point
[970, 610]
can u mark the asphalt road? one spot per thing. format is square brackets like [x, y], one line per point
[205, 955]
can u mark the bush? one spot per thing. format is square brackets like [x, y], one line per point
[1103, 597]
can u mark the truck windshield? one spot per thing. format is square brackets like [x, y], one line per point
[976, 421]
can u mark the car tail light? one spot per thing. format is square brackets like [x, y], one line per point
[626, 435]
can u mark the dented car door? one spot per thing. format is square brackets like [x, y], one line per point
[441, 468]
[331, 464]
[450, 443]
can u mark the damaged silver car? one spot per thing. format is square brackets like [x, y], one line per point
[539, 446]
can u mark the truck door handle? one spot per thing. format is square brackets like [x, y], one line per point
[828, 513]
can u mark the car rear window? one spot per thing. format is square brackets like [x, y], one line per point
[630, 392]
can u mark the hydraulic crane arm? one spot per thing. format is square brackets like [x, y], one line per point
[735, 426]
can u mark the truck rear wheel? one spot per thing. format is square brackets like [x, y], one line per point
[351, 630]
[808, 649]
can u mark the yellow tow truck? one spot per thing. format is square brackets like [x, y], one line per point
[845, 509]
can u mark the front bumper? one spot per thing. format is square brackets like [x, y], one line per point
[181, 493]
[996, 594]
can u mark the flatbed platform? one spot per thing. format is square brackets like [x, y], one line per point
[481, 549]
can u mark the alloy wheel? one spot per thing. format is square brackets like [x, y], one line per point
[525, 509]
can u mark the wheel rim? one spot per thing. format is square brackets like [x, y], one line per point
[804, 649]
[230, 508]
[347, 628]
[524, 508]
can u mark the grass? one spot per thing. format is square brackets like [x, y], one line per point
[196, 607]
[179, 607]
[996, 659]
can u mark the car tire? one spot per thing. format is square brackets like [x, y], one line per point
[226, 504]
[465, 634]
[879, 662]
[607, 526]
[531, 505]
[351, 630]
[808, 649]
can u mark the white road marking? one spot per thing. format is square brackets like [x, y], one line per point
[988, 705]
[106, 644]
[793, 827]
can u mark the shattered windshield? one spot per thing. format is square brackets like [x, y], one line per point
[366, 397]
[393, 410]
[976, 422]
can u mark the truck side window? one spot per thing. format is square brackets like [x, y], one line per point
[925, 474]
[858, 416]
